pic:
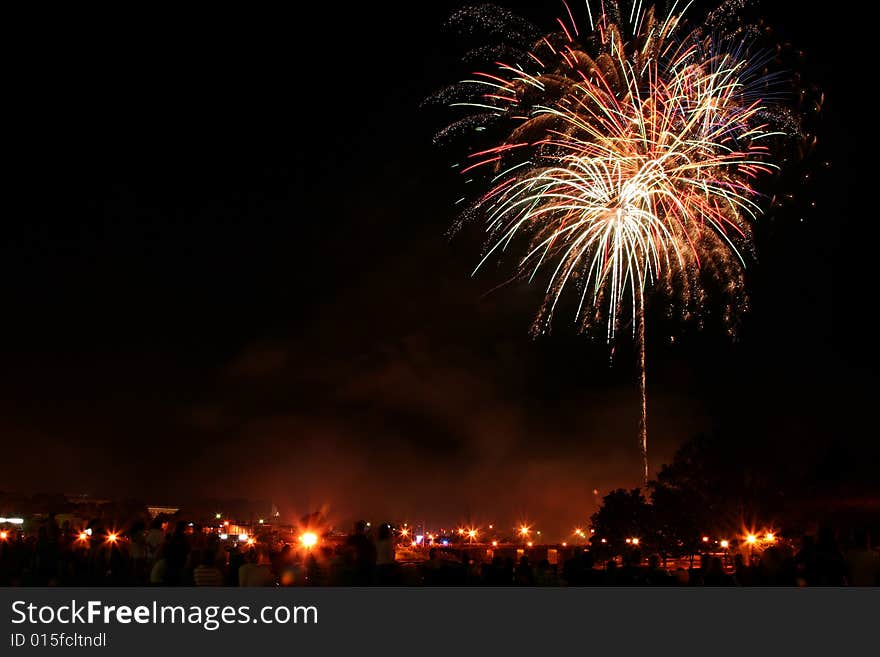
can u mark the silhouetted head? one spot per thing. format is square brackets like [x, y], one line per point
[860, 538]
[826, 539]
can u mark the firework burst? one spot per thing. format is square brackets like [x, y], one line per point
[626, 159]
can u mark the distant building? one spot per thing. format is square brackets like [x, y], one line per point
[161, 510]
[81, 499]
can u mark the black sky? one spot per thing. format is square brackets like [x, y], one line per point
[225, 274]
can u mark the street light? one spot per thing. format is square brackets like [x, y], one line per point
[751, 539]
[725, 543]
[309, 540]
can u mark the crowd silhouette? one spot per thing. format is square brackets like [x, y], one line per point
[181, 554]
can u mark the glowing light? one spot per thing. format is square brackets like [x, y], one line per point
[83, 536]
[751, 539]
[603, 541]
[529, 544]
[112, 537]
[218, 516]
[89, 531]
[524, 530]
[461, 531]
[472, 534]
[635, 541]
[725, 544]
[261, 521]
[309, 539]
[404, 532]
[494, 543]
[627, 164]
[226, 523]
[564, 544]
[242, 537]
[223, 537]
[3, 535]
[251, 541]
[629, 540]
[769, 537]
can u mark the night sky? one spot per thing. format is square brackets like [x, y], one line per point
[226, 274]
